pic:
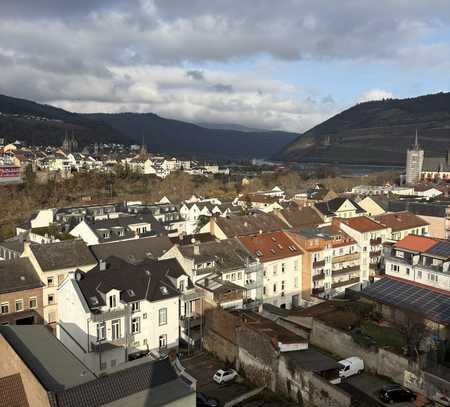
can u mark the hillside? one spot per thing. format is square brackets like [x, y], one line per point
[177, 137]
[40, 124]
[377, 132]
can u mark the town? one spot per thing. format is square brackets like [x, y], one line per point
[277, 294]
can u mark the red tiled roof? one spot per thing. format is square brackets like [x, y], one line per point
[271, 246]
[401, 220]
[363, 224]
[416, 243]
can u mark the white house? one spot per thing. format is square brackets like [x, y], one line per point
[119, 312]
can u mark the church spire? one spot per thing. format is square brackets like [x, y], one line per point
[416, 141]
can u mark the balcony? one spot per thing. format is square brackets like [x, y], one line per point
[319, 276]
[317, 264]
[190, 322]
[375, 242]
[108, 344]
[191, 295]
[228, 296]
[345, 270]
[318, 290]
[345, 257]
[375, 254]
[350, 281]
[107, 315]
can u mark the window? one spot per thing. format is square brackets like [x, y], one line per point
[144, 315]
[296, 282]
[419, 273]
[4, 307]
[51, 317]
[233, 276]
[282, 286]
[101, 331]
[163, 341]
[274, 288]
[113, 363]
[103, 366]
[264, 290]
[51, 281]
[19, 305]
[115, 329]
[275, 269]
[32, 303]
[239, 276]
[51, 299]
[135, 306]
[135, 325]
[182, 285]
[283, 267]
[112, 301]
[163, 316]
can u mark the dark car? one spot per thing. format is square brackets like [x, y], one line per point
[396, 394]
[205, 401]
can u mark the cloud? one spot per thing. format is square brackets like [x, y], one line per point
[195, 74]
[220, 87]
[375, 94]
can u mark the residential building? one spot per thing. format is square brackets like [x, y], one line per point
[300, 217]
[264, 203]
[421, 259]
[414, 163]
[52, 262]
[21, 299]
[38, 370]
[118, 228]
[403, 224]
[339, 208]
[232, 226]
[11, 248]
[281, 258]
[369, 235]
[119, 311]
[374, 205]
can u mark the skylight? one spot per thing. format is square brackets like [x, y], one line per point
[164, 290]
[258, 253]
[131, 293]
[93, 300]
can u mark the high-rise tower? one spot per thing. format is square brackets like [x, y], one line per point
[414, 162]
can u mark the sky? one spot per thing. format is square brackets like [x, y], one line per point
[285, 65]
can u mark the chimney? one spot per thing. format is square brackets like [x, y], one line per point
[196, 249]
[102, 265]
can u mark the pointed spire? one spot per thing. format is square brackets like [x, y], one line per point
[416, 141]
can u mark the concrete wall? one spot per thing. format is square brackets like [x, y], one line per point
[11, 363]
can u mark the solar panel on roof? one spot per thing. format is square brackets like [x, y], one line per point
[440, 249]
[432, 304]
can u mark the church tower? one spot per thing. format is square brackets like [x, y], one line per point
[414, 162]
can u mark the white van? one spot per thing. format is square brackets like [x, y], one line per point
[351, 366]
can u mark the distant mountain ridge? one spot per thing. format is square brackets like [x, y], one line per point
[229, 126]
[26, 120]
[376, 132]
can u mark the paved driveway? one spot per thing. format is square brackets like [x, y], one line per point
[369, 385]
[202, 367]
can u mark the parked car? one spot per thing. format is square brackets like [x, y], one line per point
[351, 366]
[225, 376]
[395, 394]
[204, 401]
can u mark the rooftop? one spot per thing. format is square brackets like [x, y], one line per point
[301, 217]
[363, 224]
[416, 243]
[271, 246]
[401, 220]
[18, 275]
[63, 255]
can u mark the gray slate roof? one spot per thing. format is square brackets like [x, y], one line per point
[329, 208]
[250, 224]
[18, 275]
[63, 255]
[134, 251]
[124, 276]
[435, 164]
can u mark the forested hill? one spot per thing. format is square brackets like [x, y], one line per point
[40, 124]
[377, 132]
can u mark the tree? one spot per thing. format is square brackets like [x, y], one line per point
[30, 176]
[414, 330]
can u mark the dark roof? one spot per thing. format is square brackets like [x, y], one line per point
[330, 207]
[12, 392]
[18, 275]
[381, 201]
[311, 360]
[434, 164]
[227, 254]
[184, 240]
[250, 224]
[134, 250]
[431, 303]
[15, 245]
[63, 255]
[154, 383]
[50, 361]
[401, 220]
[124, 276]
[301, 217]
[434, 209]
[440, 249]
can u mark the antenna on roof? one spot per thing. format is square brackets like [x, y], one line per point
[148, 282]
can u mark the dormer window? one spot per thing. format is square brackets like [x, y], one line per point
[112, 301]
[258, 253]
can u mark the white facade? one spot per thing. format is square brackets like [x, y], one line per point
[106, 339]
